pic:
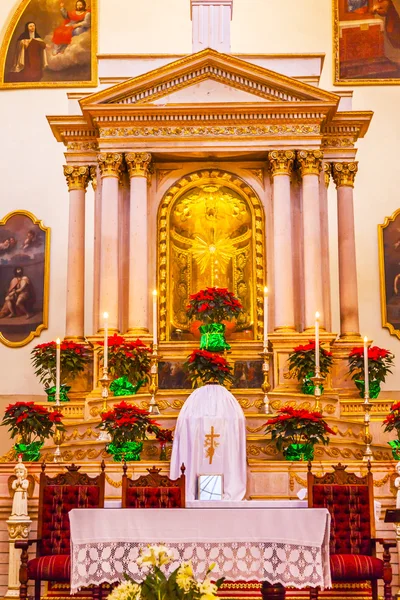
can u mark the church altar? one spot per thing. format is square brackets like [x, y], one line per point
[285, 546]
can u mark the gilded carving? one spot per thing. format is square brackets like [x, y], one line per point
[18, 531]
[338, 142]
[344, 173]
[139, 164]
[210, 131]
[327, 173]
[310, 162]
[281, 162]
[93, 177]
[110, 164]
[77, 177]
[82, 146]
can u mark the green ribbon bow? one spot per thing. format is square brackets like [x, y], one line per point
[51, 393]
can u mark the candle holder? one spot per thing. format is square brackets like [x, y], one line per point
[317, 381]
[367, 406]
[105, 381]
[154, 409]
[58, 436]
[265, 386]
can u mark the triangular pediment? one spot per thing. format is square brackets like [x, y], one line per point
[195, 78]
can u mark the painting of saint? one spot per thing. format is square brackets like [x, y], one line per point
[367, 41]
[389, 259]
[50, 43]
[24, 278]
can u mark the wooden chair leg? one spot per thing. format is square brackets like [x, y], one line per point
[374, 586]
[23, 575]
[314, 593]
[387, 572]
[38, 589]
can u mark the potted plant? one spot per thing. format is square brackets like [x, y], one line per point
[163, 436]
[296, 431]
[181, 584]
[128, 427]
[391, 422]
[73, 360]
[31, 424]
[380, 362]
[205, 367]
[302, 365]
[212, 306]
[128, 363]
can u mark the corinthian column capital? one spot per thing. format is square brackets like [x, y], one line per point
[139, 164]
[93, 177]
[77, 177]
[281, 162]
[310, 162]
[110, 164]
[344, 173]
[327, 173]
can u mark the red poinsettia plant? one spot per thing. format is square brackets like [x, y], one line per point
[214, 305]
[165, 435]
[380, 362]
[207, 367]
[73, 359]
[128, 423]
[298, 426]
[302, 361]
[30, 421]
[128, 359]
[392, 420]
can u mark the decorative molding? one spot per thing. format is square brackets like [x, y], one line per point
[110, 164]
[77, 177]
[162, 174]
[83, 146]
[258, 174]
[327, 167]
[281, 162]
[344, 173]
[338, 142]
[18, 530]
[93, 177]
[139, 164]
[310, 162]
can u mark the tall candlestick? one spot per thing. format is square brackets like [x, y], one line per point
[317, 342]
[366, 370]
[265, 318]
[58, 370]
[105, 354]
[155, 327]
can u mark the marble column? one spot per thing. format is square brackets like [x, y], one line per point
[139, 164]
[124, 209]
[77, 179]
[324, 181]
[343, 175]
[110, 167]
[281, 163]
[96, 185]
[310, 162]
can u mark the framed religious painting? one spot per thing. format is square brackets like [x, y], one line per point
[24, 278]
[389, 262]
[366, 37]
[50, 43]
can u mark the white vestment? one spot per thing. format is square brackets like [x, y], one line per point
[210, 439]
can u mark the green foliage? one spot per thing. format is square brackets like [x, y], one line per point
[302, 361]
[31, 421]
[380, 363]
[73, 359]
[128, 359]
[204, 367]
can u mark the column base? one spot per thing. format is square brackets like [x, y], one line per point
[350, 337]
[111, 331]
[137, 331]
[75, 338]
[285, 329]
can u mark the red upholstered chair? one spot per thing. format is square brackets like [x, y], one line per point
[153, 490]
[350, 501]
[57, 496]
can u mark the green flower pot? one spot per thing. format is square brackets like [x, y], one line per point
[299, 452]
[123, 387]
[395, 446]
[213, 337]
[128, 451]
[374, 388]
[307, 387]
[51, 393]
[30, 452]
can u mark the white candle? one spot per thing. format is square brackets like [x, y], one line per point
[366, 370]
[58, 368]
[105, 354]
[155, 327]
[265, 318]
[316, 341]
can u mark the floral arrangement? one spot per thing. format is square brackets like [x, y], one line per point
[73, 359]
[302, 364]
[30, 421]
[392, 420]
[179, 585]
[298, 427]
[213, 305]
[129, 361]
[203, 366]
[127, 423]
[380, 362]
[164, 436]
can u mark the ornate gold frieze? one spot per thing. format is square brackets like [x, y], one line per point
[310, 162]
[138, 163]
[338, 142]
[77, 177]
[110, 164]
[328, 409]
[281, 161]
[344, 173]
[18, 531]
[209, 131]
[83, 146]
[93, 177]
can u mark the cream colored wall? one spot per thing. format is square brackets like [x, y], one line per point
[30, 159]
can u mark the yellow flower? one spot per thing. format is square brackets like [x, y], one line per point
[184, 577]
[156, 556]
[125, 591]
[208, 590]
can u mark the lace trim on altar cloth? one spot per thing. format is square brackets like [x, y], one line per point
[291, 565]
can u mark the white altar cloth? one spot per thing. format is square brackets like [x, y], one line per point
[211, 409]
[284, 546]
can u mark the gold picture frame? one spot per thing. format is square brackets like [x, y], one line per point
[52, 64]
[389, 267]
[363, 33]
[24, 278]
